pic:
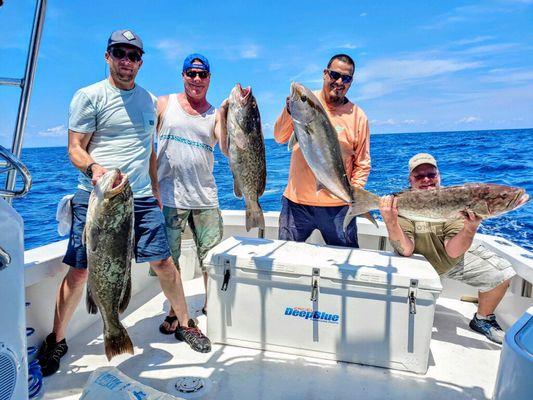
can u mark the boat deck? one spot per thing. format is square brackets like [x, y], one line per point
[463, 364]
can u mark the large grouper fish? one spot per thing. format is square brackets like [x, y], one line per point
[319, 143]
[108, 237]
[246, 149]
[485, 200]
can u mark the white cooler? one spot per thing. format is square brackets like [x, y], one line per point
[362, 306]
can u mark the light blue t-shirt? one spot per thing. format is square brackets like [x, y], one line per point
[123, 126]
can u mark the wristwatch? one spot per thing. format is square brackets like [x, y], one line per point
[89, 170]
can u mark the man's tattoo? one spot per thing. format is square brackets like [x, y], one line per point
[397, 246]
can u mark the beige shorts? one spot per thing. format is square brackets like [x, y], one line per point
[482, 269]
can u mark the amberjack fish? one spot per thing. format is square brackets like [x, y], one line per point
[319, 143]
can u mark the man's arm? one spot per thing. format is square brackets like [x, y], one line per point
[221, 129]
[283, 127]
[153, 176]
[397, 237]
[460, 243]
[80, 158]
[361, 167]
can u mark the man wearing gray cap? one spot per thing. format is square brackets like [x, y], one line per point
[450, 248]
[112, 125]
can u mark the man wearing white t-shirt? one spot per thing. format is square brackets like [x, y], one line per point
[112, 125]
[188, 128]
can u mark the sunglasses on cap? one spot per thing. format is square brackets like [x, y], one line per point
[193, 74]
[336, 75]
[431, 175]
[120, 54]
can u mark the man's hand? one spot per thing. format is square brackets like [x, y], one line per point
[98, 172]
[471, 221]
[223, 109]
[389, 210]
[157, 196]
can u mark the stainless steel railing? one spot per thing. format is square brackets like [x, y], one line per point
[13, 164]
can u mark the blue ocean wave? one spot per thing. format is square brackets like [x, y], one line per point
[479, 156]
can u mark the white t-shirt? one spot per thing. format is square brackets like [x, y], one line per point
[185, 158]
[123, 126]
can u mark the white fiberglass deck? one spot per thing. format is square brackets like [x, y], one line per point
[463, 364]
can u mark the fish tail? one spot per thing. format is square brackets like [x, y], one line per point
[364, 201]
[117, 343]
[254, 215]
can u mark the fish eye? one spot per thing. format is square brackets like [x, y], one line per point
[504, 195]
[304, 99]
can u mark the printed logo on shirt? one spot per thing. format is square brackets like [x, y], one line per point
[427, 227]
[339, 128]
[187, 141]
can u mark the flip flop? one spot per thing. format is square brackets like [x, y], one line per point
[170, 320]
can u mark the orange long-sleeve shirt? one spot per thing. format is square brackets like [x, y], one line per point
[351, 125]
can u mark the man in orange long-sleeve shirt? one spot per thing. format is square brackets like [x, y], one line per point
[303, 207]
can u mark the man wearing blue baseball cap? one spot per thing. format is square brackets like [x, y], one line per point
[189, 128]
[117, 118]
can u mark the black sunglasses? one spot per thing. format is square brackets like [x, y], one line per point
[336, 75]
[194, 74]
[120, 54]
[431, 175]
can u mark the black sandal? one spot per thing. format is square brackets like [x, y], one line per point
[170, 320]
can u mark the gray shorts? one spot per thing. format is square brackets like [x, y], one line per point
[481, 268]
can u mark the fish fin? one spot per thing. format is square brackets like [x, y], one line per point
[118, 343]
[236, 189]
[254, 216]
[364, 201]
[125, 300]
[320, 186]
[371, 218]
[89, 301]
[292, 141]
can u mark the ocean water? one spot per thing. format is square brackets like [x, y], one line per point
[502, 157]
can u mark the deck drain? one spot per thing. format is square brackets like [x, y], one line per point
[190, 386]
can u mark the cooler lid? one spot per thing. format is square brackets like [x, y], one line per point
[342, 263]
[524, 336]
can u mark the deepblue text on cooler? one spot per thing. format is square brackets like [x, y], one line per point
[309, 314]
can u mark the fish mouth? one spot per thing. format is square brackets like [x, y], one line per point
[521, 198]
[243, 94]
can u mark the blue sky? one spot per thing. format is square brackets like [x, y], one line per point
[421, 65]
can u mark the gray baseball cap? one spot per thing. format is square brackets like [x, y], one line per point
[125, 36]
[421, 158]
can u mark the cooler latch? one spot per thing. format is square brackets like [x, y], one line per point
[314, 284]
[227, 275]
[413, 288]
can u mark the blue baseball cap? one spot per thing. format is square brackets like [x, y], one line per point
[127, 37]
[188, 62]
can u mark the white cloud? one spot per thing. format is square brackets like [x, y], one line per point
[489, 49]
[393, 122]
[477, 39]
[56, 131]
[249, 51]
[350, 46]
[363, 14]
[385, 76]
[508, 75]
[469, 120]
[172, 49]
